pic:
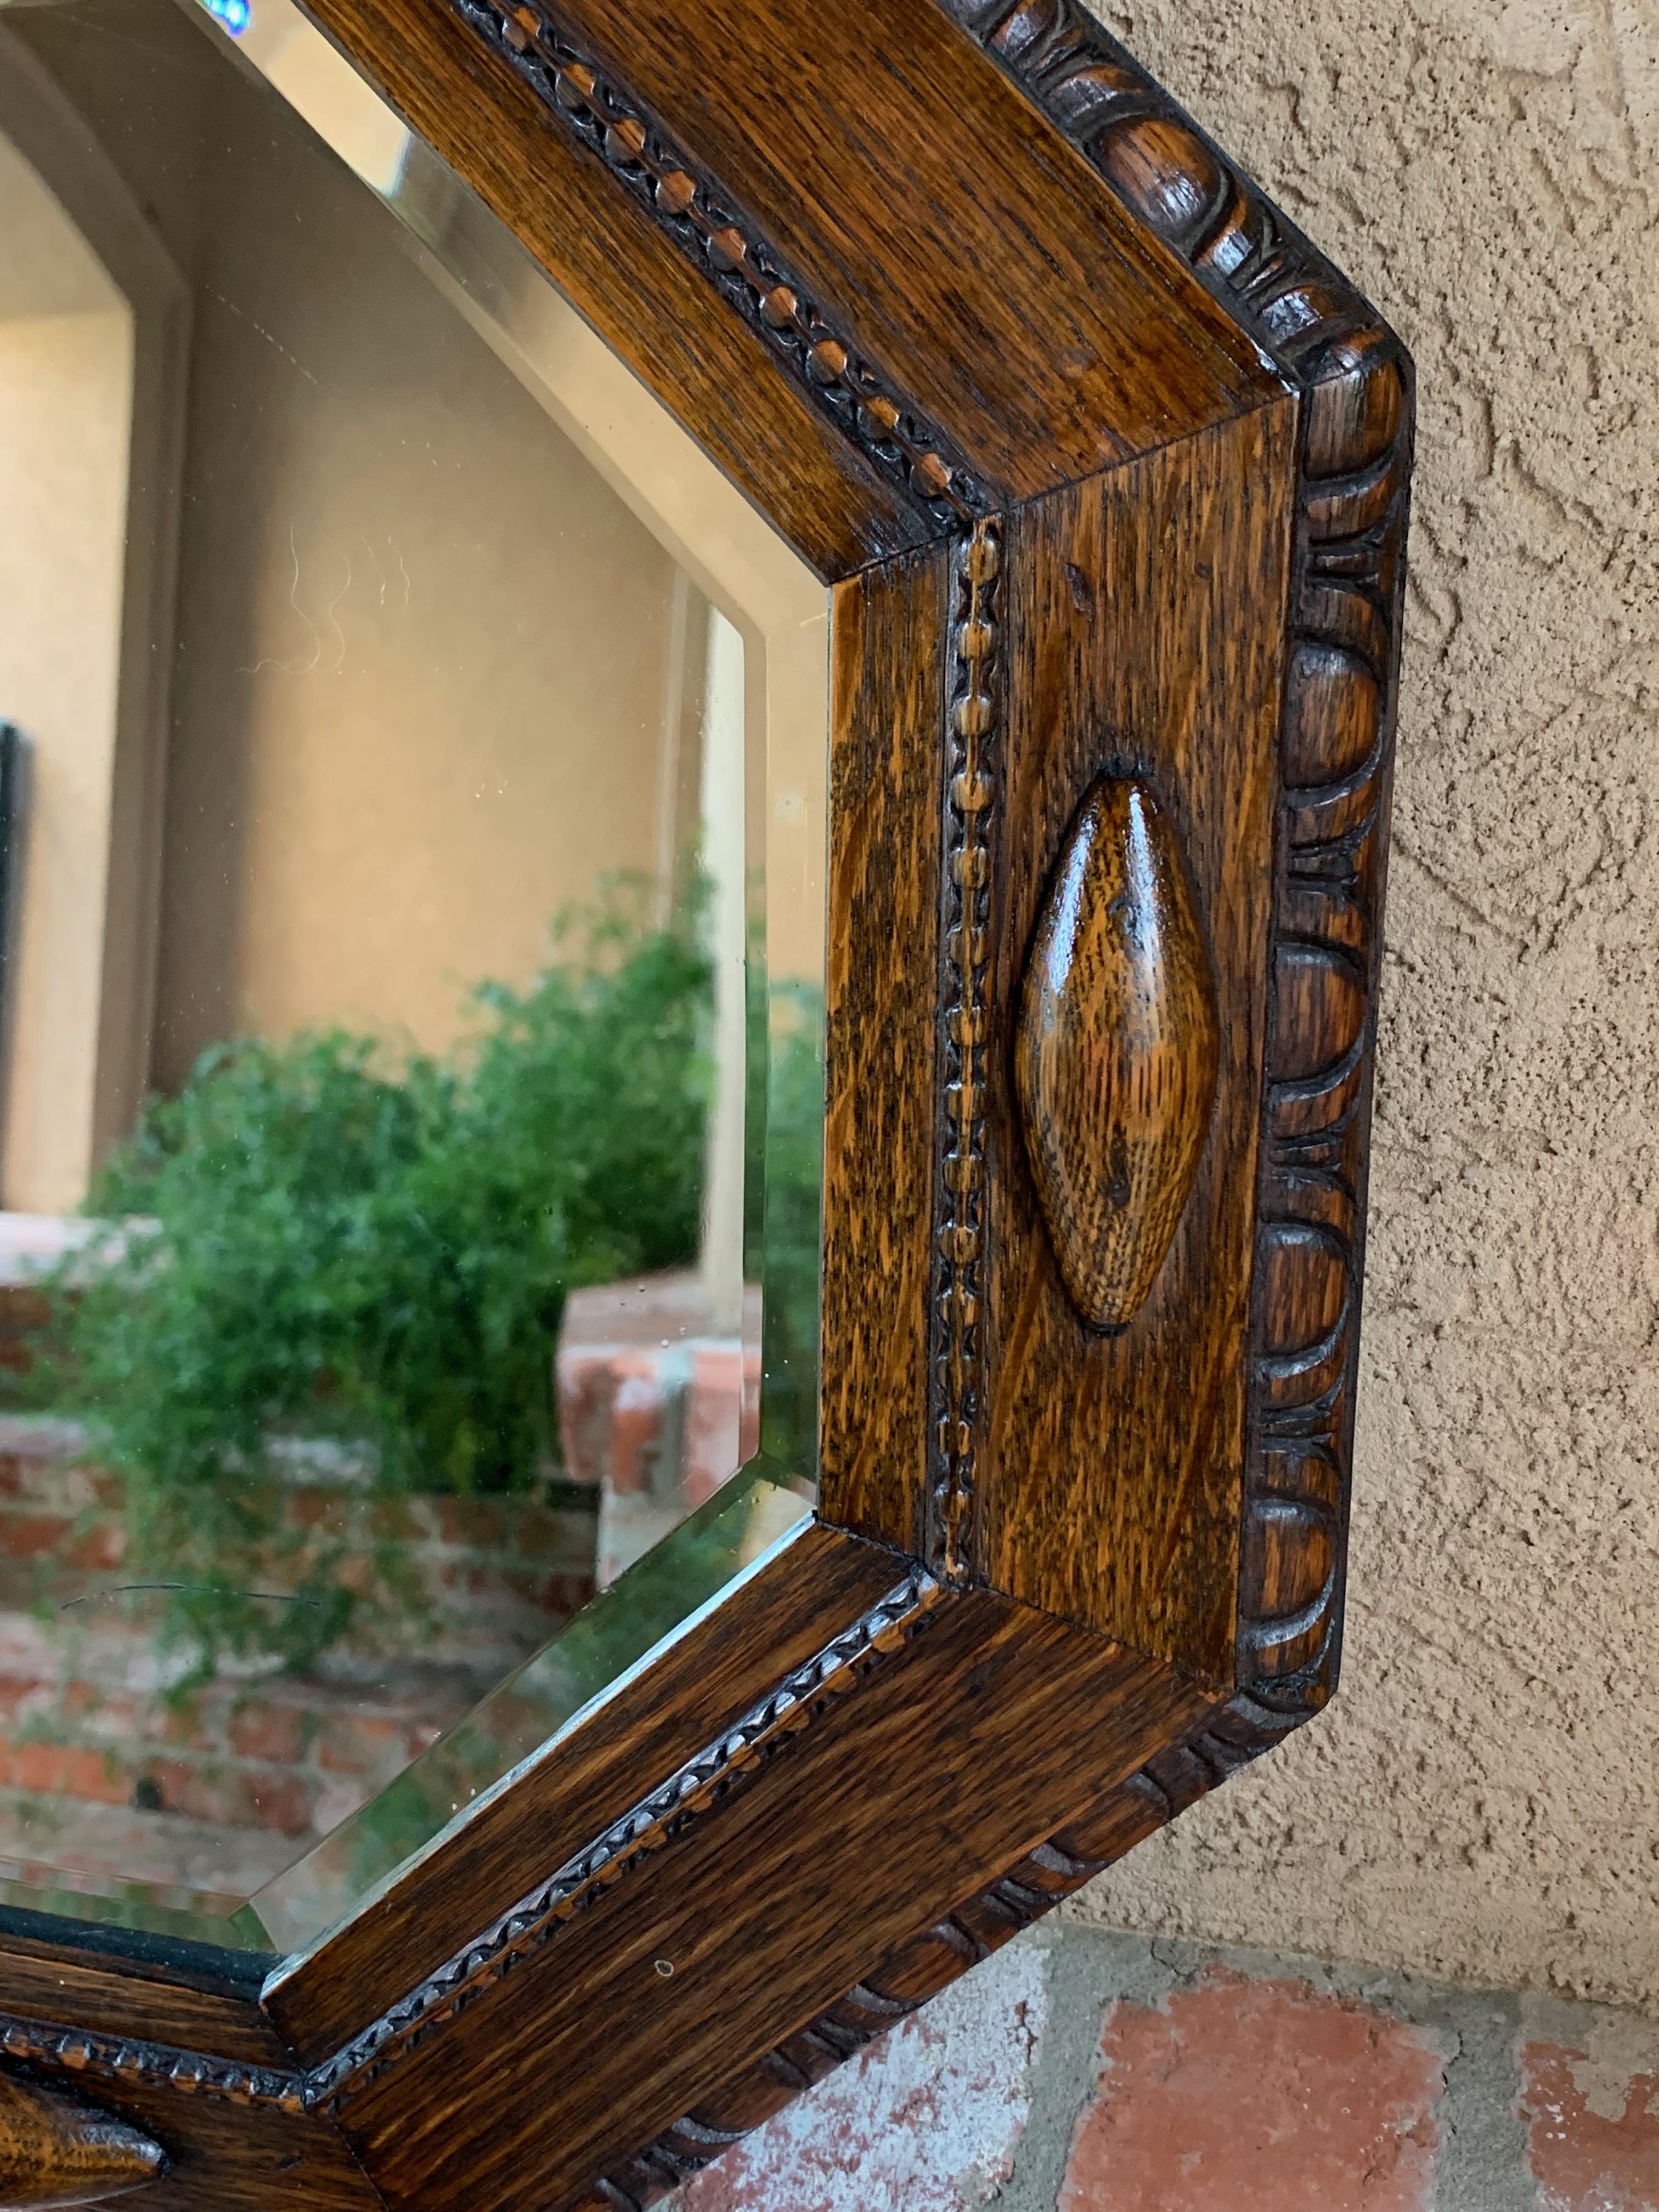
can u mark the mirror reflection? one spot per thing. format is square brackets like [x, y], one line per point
[411, 820]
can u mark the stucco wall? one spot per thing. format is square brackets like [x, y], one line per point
[1483, 1801]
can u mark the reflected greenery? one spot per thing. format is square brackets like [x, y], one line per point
[793, 1227]
[327, 1246]
[655, 1600]
[325, 1241]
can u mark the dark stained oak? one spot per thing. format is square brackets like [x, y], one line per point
[1109, 469]
[723, 1946]
[890, 175]
[918, 1968]
[1146, 616]
[974, 738]
[791, 1607]
[1115, 1050]
[1340, 695]
[1351, 505]
[651, 303]
[181, 2053]
[1352, 495]
[75, 1976]
[1336, 735]
[221, 2152]
[888, 648]
[55, 2151]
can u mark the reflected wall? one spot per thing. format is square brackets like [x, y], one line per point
[412, 975]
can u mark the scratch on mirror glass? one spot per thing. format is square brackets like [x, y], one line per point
[293, 667]
[334, 620]
[125, 1590]
[242, 316]
[305, 667]
[380, 573]
[315, 663]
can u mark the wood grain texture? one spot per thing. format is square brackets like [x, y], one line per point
[1145, 629]
[792, 1608]
[988, 299]
[915, 1971]
[57, 2150]
[1336, 739]
[1115, 1050]
[888, 647]
[743, 1747]
[952, 1760]
[610, 256]
[1172, 178]
[234, 2139]
[975, 713]
[198, 2069]
[1353, 466]
[1111, 1825]
[72, 1979]
[906, 182]
[739, 259]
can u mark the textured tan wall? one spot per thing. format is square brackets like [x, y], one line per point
[1483, 1801]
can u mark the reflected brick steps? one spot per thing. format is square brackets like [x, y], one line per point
[104, 1770]
[104, 1767]
[218, 1791]
[659, 1405]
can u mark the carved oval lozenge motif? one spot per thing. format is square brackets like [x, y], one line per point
[56, 2151]
[1116, 1050]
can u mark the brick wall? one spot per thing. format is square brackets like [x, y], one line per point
[657, 1406]
[107, 1769]
[1079, 2071]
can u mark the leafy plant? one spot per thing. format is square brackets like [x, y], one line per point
[324, 1240]
[791, 1183]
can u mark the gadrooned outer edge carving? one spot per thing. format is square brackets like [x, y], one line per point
[1336, 764]
[1340, 691]
[916, 1970]
[1337, 738]
[1173, 177]
[1355, 439]
[1336, 751]
[1337, 743]
[594, 105]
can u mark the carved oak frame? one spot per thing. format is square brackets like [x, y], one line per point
[1107, 469]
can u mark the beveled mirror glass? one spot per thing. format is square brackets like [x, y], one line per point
[413, 815]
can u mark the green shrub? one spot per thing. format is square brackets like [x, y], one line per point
[327, 1241]
[792, 1135]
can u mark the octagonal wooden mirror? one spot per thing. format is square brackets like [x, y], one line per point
[696, 713]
